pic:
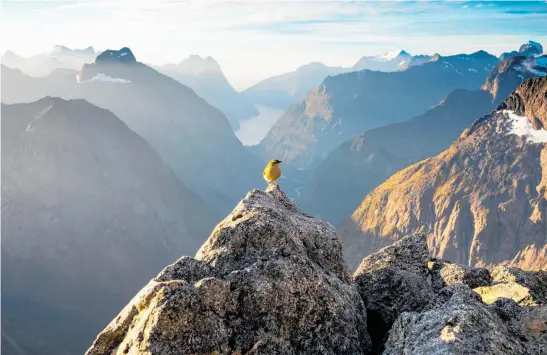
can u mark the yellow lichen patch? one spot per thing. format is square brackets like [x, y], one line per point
[512, 290]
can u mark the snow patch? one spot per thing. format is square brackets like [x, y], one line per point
[104, 77]
[123, 54]
[521, 126]
[393, 54]
[534, 44]
[473, 70]
[32, 124]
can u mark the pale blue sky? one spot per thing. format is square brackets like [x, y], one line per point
[256, 39]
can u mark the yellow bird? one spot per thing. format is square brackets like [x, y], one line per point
[272, 171]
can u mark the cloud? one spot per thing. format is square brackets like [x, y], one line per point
[260, 38]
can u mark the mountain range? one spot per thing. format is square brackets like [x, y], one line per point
[43, 64]
[528, 49]
[357, 166]
[351, 103]
[112, 168]
[90, 212]
[289, 88]
[191, 136]
[205, 77]
[395, 60]
[481, 201]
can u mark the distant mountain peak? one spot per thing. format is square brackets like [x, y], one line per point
[394, 54]
[435, 57]
[311, 66]
[480, 54]
[123, 56]
[531, 46]
[10, 54]
[59, 49]
[198, 65]
[512, 71]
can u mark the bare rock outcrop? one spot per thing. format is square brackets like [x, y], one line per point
[529, 324]
[530, 100]
[525, 288]
[456, 322]
[272, 280]
[393, 281]
[444, 273]
[269, 280]
[420, 305]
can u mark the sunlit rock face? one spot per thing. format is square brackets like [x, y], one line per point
[481, 202]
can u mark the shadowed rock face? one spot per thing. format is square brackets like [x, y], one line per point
[391, 282]
[419, 305]
[268, 280]
[481, 201]
[454, 322]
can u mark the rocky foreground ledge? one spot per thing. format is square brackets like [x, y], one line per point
[272, 280]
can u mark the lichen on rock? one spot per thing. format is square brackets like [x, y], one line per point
[527, 288]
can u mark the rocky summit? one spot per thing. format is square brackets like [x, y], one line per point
[272, 280]
[269, 280]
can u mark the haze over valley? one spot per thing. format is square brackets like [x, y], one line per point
[412, 140]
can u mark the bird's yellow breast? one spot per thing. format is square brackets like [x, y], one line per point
[272, 172]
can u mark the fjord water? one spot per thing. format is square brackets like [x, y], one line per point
[252, 130]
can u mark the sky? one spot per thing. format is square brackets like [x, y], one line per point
[253, 40]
